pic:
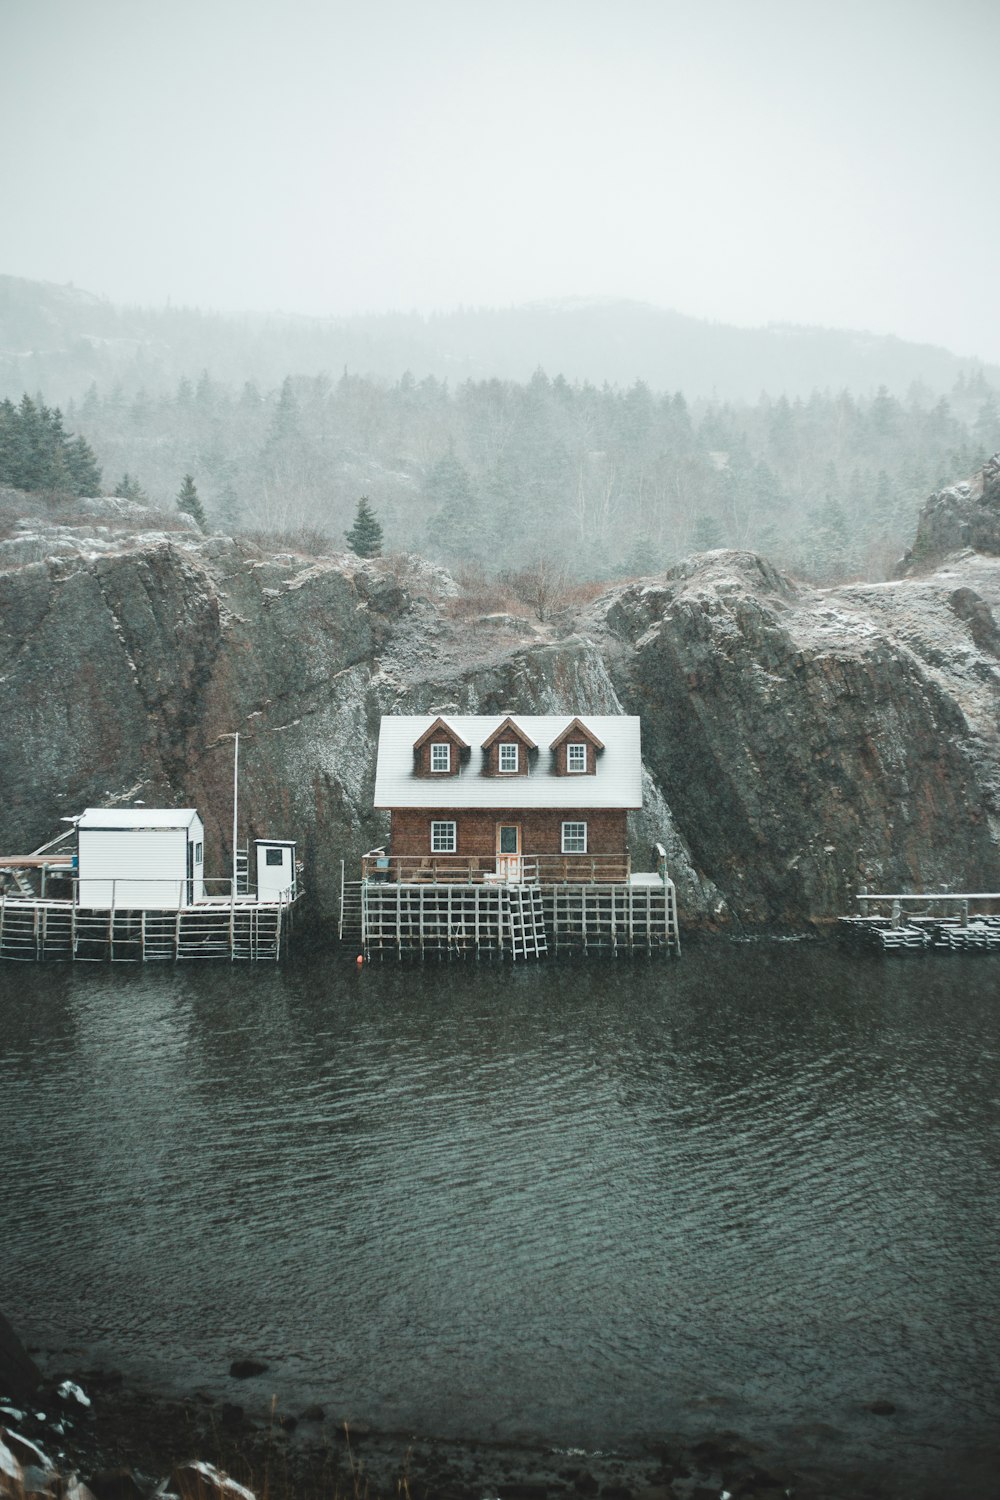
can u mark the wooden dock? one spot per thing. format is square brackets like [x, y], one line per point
[37, 928]
[509, 919]
[910, 921]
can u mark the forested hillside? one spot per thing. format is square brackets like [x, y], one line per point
[605, 481]
[808, 460]
[60, 338]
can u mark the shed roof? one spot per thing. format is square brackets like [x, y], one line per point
[107, 818]
[617, 783]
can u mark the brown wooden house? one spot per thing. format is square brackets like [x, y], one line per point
[507, 797]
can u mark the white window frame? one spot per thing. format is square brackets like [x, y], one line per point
[508, 745]
[571, 769]
[436, 747]
[444, 837]
[574, 842]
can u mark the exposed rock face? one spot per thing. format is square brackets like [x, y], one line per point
[965, 515]
[798, 742]
[809, 741]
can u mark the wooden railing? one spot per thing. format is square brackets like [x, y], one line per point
[544, 869]
[916, 906]
[107, 892]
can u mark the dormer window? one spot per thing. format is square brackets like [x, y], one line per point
[508, 750]
[575, 751]
[439, 751]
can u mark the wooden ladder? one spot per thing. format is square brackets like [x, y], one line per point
[525, 921]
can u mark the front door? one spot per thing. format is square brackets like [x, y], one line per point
[509, 850]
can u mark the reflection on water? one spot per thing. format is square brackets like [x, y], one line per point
[575, 1202]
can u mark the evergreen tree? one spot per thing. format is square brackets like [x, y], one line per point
[365, 536]
[453, 526]
[36, 453]
[128, 488]
[81, 466]
[190, 504]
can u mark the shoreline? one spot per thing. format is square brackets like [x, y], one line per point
[126, 1440]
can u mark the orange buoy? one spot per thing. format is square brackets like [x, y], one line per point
[360, 958]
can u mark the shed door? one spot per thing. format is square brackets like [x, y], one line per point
[509, 850]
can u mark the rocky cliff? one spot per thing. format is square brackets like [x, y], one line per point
[961, 516]
[797, 741]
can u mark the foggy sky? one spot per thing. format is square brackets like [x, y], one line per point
[750, 162]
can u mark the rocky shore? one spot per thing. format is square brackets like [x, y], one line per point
[799, 742]
[72, 1431]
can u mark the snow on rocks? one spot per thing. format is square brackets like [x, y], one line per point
[202, 1481]
[69, 1391]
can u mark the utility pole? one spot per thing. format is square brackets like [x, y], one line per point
[236, 799]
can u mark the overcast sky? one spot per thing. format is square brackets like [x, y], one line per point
[748, 161]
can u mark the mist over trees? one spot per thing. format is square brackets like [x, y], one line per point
[600, 477]
[603, 481]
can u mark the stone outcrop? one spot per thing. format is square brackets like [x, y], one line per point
[810, 741]
[797, 741]
[959, 517]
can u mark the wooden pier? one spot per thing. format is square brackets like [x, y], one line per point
[36, 928]
[955, 921]
[517, 919]
[127, 885]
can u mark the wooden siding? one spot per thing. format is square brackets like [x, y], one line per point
[139, 867]
[476, 829]
[559, 757]
[422, 756]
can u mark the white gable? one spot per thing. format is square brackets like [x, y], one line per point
[618, 782]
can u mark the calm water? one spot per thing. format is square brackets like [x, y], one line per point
[756, 1189]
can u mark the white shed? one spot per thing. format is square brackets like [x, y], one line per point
[140, 857]
[275, 870]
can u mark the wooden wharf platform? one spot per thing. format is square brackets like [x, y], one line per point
[516, 919]
[41, 928]
[954, 921]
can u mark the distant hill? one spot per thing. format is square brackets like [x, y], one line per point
[60, 340]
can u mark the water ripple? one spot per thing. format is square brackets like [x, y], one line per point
[549, 1201]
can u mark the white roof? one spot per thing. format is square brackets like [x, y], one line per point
[137, 817]
[618, 782]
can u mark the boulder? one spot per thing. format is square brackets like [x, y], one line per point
[201, 1481]
[115, 1484]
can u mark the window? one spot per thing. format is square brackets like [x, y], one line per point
[274, 856]
[576, 758]
[443, 839]
[440, 757]
[508, 757]
[574, 838]
[199, 854]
